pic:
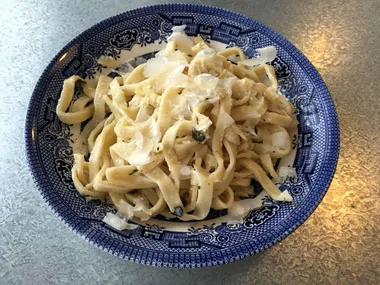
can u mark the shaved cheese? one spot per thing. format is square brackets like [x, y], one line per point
[122, 215]
[204, 85]
[226, 118]
[179, 28]
[126, 209]
[142, 208]
[192, 98]
[201, 88]
[204, 122]
[206, 52]
[185, 171]
[139, 139]
[239, 210]
[177, 78]
[177, 56]
[286, 172]
[280, 140]
[142, 115]
[162, 53]
[267, 54]
[154, 65]
[154, 133]
[139, 157]
[283, 197]
[182, 109]
[162, 78]
[154, 129]
[206, 81]
[181, 38]
[118, 223]
[141, 154]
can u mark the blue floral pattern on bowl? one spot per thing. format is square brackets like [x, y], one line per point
[170, 243]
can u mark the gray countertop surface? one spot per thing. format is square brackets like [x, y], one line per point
[338, 244]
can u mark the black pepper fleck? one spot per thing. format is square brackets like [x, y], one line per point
[178, 211]
[199, 136]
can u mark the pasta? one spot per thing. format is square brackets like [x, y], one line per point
[180, 134]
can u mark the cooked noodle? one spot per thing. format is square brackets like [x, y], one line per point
[181, 134]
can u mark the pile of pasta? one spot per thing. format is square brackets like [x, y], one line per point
[180, 134]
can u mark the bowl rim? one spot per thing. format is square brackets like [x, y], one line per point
[45, 188]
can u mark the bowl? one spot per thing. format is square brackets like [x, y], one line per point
[170, 243]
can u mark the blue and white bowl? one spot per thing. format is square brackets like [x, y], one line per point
[171, 243]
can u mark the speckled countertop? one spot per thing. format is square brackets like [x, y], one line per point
[338, 244]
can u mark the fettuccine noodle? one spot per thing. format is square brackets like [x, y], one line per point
[181, 134]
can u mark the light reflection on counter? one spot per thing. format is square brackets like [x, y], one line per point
[325, 45]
